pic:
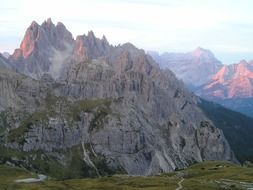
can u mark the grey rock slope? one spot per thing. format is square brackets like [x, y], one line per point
[109, 109]
[194, 68]
[19, 92]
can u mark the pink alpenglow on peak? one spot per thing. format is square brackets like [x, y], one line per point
[47, 48]
[198, 52]
[28, 43]
[231, 81]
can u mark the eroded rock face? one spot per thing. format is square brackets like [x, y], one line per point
[89, 47]
[43, 48]
[208, 136]
[107, 102]
[48, 48]
[125, 136]
[19, 91]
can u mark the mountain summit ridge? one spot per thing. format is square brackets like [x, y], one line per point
[45, 45]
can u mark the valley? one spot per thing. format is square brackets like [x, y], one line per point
[211, 175]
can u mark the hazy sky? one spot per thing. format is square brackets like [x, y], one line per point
[223, 26]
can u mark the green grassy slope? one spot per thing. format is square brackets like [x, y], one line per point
[207, 175]
[217, 175]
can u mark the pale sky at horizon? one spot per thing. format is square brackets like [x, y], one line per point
[223, 26]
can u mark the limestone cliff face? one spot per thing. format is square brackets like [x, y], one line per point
[89, 47]
[19, 92]
[110, 105]
[43, 49]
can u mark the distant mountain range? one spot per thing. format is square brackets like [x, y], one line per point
[229, 85]
[194, 68]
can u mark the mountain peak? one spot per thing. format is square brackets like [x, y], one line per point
[47, 24]
[60, 25]
[104, 39]
[243, 62]
[198, 52]
[34, 24]
[128, 46]
[91, 34]
[43, 36]
[28, 43]
[231, 81]
[89, 47]
[33, 28]
[194, 68]
[200, 49]
[49, 21]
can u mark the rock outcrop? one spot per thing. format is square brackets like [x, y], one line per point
[89, 47]
[44, 49]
